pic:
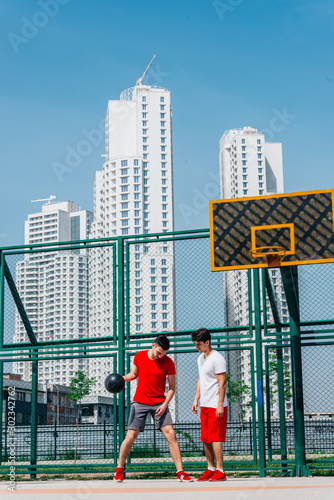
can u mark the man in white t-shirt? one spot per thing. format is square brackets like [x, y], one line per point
[211, 389]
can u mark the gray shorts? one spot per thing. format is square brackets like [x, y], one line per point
[139, 412]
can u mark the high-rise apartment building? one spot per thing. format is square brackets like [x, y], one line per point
[133, 195]
[53, 286]
[249, 166]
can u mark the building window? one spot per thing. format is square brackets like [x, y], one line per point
[143, 98]
[245, 191]
[243, 148]
[162, 115]
[124, 163]
[259, 141]
[259, 163]
[163, 148]
[152, 262]
[259, 156]
[138, 327]
[124, 189]
[135, 162]
[125, 231]
[163, 157]
[164, 324]
[153, 324]
[244, 162]
[261, 191]
[162, 124]
[162, 99]
[243, 141]
[124, 171]
[124, 196]
[124, 180]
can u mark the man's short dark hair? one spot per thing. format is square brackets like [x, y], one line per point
[163, 342]
[201, 335]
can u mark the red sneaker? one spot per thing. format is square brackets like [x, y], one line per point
[119, 474]
[206, 476]
[182, 476]
[218, 476]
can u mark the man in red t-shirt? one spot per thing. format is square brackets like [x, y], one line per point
[151, 368]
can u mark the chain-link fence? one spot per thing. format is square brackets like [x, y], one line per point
[72, 313]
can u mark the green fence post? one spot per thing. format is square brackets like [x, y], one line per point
[280, 368]
[290, 283]
[34, 418]
[120, 333]
[2, 302]
[259, 372]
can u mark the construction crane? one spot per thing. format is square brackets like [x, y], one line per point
[140, 80]
[51, 197]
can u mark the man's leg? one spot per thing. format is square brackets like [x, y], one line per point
[173, 444]
[217, 447]
[130, 438]
[209, 453]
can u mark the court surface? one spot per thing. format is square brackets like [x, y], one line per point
[236, 489]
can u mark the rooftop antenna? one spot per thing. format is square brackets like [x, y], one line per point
[51, 197]
[140, 80]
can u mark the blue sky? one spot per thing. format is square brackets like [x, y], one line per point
[228, 64]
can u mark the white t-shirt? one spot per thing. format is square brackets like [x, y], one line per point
[208, 368]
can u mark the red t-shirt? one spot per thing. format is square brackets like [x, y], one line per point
[152, 378]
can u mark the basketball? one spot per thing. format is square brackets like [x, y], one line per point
[114, 383]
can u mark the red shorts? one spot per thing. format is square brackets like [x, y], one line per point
[213, 428]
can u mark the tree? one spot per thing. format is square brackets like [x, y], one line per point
[80, 387]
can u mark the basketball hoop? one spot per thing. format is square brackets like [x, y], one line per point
[272, 256]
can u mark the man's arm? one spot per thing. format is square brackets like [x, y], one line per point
[197, 396]
[132, 375]
[171, 391]
[221, 378]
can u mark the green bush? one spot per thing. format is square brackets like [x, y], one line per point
[69, 454]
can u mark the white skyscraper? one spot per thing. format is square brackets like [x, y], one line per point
[248, 167]
[133, 194]
[54, 287]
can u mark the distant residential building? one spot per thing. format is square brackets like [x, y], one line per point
[133, 195]
[61, 410]
[97, 410]
[249, 166]
[54, 288]
[22, 397]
